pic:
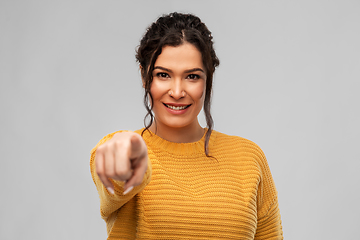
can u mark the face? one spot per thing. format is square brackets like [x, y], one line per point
[178, 87]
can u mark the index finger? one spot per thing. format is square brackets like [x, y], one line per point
[136, 147]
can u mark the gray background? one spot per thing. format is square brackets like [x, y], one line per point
[288, 80]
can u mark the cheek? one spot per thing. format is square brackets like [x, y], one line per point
[198, 92]
[157, 90]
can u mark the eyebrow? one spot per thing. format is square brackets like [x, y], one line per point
[187, 71]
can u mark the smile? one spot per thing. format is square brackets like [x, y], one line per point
[177, 107]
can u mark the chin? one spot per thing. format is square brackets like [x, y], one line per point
[177, 125]
[174, 123]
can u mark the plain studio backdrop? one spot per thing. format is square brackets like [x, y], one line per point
[288, 80]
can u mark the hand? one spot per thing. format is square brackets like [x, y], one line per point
[124, 158]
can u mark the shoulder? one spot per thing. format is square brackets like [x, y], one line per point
[236, 145]
[234, 141]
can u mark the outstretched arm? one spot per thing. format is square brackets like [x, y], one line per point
[120, 169]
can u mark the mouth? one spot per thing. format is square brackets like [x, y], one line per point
[178, 108]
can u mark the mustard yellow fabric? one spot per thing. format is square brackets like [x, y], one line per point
[187, 195]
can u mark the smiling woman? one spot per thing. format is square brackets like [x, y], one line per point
[177, 92]
[174, 179]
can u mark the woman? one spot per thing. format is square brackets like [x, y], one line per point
[204, 184]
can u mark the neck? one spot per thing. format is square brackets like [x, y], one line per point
[191, 133]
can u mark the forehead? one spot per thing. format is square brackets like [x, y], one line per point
[182, 57]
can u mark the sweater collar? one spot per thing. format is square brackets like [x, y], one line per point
[156, 142]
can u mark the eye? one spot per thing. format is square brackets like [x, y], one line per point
[193, 76]
[162, 75]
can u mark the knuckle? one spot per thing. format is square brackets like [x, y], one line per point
[103, 148]
[118, 144]
[100, 149]
[106, 147]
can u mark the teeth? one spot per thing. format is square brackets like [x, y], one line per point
[176, 108]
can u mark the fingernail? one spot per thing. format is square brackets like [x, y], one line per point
[111, 190]
[128, 190]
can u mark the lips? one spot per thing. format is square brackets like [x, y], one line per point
[176, 106]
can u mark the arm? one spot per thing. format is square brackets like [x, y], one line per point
[269, 220]
[269, 226]
[109, 177]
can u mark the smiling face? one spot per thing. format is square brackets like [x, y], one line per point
[178, 87]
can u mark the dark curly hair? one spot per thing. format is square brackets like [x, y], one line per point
[173, 30]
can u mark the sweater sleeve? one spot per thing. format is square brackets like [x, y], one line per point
[269, 220]
[110, 203]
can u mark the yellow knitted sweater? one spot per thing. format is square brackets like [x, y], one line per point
[191, 196]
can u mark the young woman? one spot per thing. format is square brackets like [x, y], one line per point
[174, 179]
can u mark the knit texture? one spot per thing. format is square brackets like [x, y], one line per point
[230, 195]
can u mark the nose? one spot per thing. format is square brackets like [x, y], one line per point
[177, 89]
